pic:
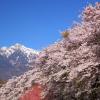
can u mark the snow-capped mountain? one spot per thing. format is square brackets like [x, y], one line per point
[16, 60]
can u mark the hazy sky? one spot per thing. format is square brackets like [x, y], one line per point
[36, 23]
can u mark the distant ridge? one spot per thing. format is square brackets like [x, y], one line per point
[15, 60]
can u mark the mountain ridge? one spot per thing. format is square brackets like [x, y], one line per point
[15, 60]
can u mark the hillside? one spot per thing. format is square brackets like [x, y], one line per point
[66, 70]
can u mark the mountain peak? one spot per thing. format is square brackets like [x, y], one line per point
[15, 60]
[7, 51]
[17, 45]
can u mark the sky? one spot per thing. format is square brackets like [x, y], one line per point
[37, 23]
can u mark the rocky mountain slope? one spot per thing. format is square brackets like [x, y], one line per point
[68, 69]
[15, 60]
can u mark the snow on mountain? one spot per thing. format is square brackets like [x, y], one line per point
[8, 51]
[16, 60]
